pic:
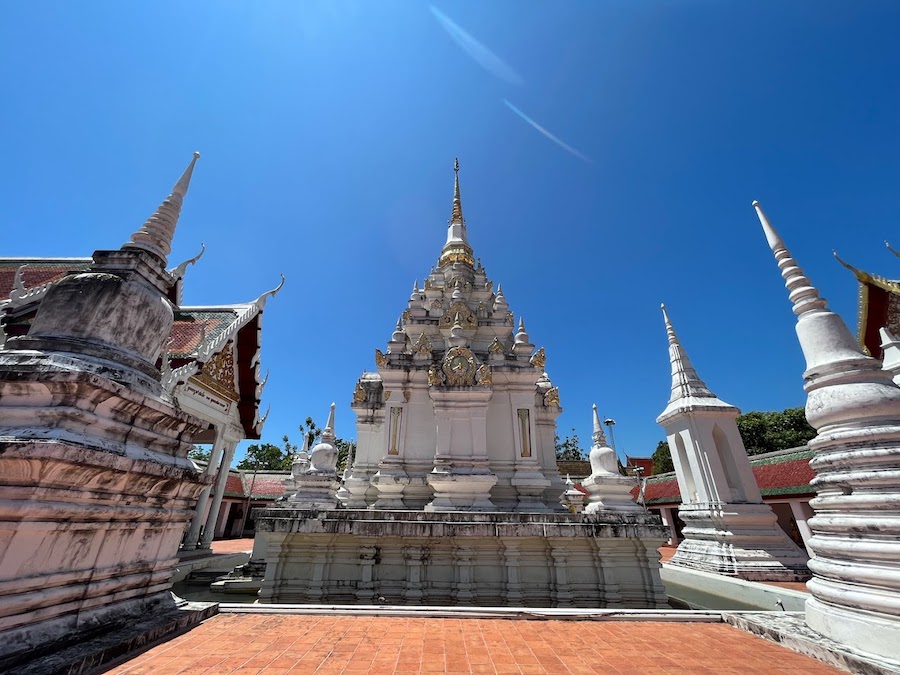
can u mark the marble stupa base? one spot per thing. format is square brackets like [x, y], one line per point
[740, 540]
[462, 558]
[313, 491]
[461, 491]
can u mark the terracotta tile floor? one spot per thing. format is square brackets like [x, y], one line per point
[232, 545]
[278, 644]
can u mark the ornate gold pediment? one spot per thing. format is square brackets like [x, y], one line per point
[217, 374]
[466, 316]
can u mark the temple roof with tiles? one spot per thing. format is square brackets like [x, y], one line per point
[779, 474]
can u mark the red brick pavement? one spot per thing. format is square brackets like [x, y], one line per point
[232, 545]
[256, 644]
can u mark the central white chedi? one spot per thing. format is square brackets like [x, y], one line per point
[460, 414]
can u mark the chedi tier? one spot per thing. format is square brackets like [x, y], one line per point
[460, 414]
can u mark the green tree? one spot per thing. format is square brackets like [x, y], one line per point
[199, 454]
[311, 431]
[268, 457]
[776, 430]
[662, 458]
[346, 453]
[569, 449]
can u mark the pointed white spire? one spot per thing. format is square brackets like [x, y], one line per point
[304, 449]
[500, 304]
[685, 381]
[328, 431]
[803, 295]
[399, 335]
[521, 335]
[598, 436]
[156, 234]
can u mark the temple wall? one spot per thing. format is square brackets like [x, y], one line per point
[405, 557]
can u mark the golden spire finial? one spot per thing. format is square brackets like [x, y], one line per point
[456, 215]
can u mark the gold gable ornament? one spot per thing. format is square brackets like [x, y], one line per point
[360, 394]
[551, 397]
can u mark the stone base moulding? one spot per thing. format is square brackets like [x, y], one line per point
[106, 643]
[461, 558]
[789, 629]
[738, 540]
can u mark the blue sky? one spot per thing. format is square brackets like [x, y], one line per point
[328, 130]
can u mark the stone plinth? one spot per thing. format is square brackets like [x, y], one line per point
[313, 491]
[96, 493]
[608, 491]
[463, 558]
[742, 540]
[461, 490]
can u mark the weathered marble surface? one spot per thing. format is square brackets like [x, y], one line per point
[96, 486]
[96, 493]
[465, 558]
[854, 406]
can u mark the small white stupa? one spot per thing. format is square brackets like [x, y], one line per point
[314, 482]
[607, 489]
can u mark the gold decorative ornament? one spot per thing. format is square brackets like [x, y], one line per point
[457, 254]
[406, 395]
[459, 367]
[484, 375]
[539, 359]
[217, 374]
[467, 316]
[524, 416]
[387, 395]
[360, 394]
[496, 347]
[394, 448]
[551, 396]
[380, 359]
[422, 347]
[435, 379]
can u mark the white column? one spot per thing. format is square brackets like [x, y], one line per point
[193, 535]
[802, 512]
[210, 529]
[668, 516]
